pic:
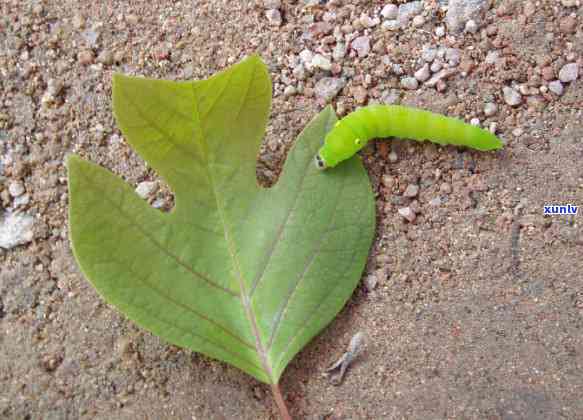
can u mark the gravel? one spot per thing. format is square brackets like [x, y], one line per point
[56, 66]
[461, 11]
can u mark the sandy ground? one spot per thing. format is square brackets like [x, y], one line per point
[474, 310]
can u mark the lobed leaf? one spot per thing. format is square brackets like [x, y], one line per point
[240, 273]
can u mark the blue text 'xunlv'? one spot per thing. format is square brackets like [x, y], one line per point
[554, 209]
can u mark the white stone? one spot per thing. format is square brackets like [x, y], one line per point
[411, 191]
[321, 62]
[339, 51]
[16, 188]
[490, 109]
[511, 97]
[423, 73]
[556, 87]
[146, 188]
[390, 11]
[274, 17]
[569, 72]
[471, 26]
[361, 45]
[328, 87]
[15, 229]
[271, 4]
[407, 214]
[409, 83]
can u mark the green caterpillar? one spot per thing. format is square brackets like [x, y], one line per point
[352, 132]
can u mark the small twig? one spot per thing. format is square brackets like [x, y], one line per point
[357, 344]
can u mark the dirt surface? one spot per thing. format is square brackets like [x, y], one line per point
[472, 310]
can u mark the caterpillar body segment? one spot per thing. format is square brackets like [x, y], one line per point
[354, 131]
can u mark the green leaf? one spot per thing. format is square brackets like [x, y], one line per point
[240, 273]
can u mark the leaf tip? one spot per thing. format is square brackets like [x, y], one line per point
[71, 160]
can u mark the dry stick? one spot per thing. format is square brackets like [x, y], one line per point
[280, 402]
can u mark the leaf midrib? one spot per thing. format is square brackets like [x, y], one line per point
[243, 295]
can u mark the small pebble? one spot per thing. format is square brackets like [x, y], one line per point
[15, 229]
[390, 11]
[569, 72]
[407, 214]
[517, 132]
[409, 83]
[391, 25]
[299, 72]
[568, 25]
[339, 51]
[361, 45]
[511, 96]
[548, 73]
[440, 31]
[274, 17]
[321, 62]
[453, 56]
[423, 73]
[328, 87]
[445, 188]
[306, 57]
[360, 94]
[556, 87]
[490, 109]
[440, 76]
[435, 202]
[290, 90]
[371, 281]
[436, 66]
[471, 26]
[409, 10]
[393, 157]
[78, 22]
[492, 57]
[132, 19]
[146, 188]
[105, 57]
[16, 188]
[418, 21]
[390, 97]
[428, 54]
[85, 57]
[369, 22]
[475, 122]
[411, 191]
[271, 4]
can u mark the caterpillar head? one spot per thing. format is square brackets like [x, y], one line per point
[319, 162]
